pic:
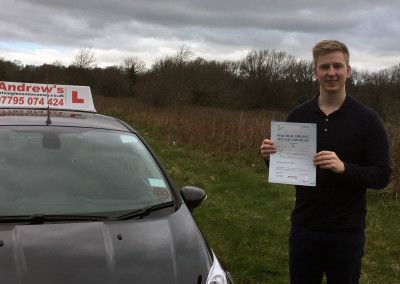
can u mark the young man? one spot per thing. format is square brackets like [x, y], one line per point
[327, 234]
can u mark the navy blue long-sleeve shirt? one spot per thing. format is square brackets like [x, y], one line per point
[357, 136]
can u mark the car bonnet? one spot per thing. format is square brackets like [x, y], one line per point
[166, 249]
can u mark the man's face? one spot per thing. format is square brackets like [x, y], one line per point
[332, 71]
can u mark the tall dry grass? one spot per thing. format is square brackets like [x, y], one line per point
[228, 134]
[394, 138]
[216, 132]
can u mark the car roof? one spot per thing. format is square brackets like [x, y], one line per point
[25, 117]
[38, 104]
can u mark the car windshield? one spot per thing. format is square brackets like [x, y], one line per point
[71, 170]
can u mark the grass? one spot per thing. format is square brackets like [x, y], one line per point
[245, 219]
[382, 252]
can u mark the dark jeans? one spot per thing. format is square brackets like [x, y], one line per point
[337, 254]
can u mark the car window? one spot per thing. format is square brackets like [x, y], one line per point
[67, 170]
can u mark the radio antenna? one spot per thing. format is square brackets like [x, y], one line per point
[48, 121]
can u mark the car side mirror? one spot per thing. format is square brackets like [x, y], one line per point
[193, 196]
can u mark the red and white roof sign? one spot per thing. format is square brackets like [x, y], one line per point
[31, 95]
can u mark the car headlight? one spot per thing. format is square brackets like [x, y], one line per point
[217, 275]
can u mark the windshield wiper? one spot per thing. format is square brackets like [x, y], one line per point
[140, 213]
[42, 218]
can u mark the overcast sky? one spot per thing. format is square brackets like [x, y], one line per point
[44, 31]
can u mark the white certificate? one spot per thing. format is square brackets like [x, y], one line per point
[296, 147]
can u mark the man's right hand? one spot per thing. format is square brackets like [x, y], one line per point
[267, 147]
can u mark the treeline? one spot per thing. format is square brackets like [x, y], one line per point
[263, 79]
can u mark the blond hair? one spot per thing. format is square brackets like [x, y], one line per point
[327, 46]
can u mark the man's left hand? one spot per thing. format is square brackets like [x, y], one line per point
[330, 161]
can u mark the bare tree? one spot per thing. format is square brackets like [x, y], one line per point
[267, 65]
[85, 58]
[132, 66]
[57, 63]
[183, 54]
[254, 64]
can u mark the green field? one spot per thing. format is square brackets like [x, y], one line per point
[246, 220]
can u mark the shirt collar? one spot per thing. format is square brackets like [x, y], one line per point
[344, 106]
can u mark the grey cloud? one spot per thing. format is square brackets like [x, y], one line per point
[371, 26]
[274, 15]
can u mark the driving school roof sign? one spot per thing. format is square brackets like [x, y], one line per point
[39, 96]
